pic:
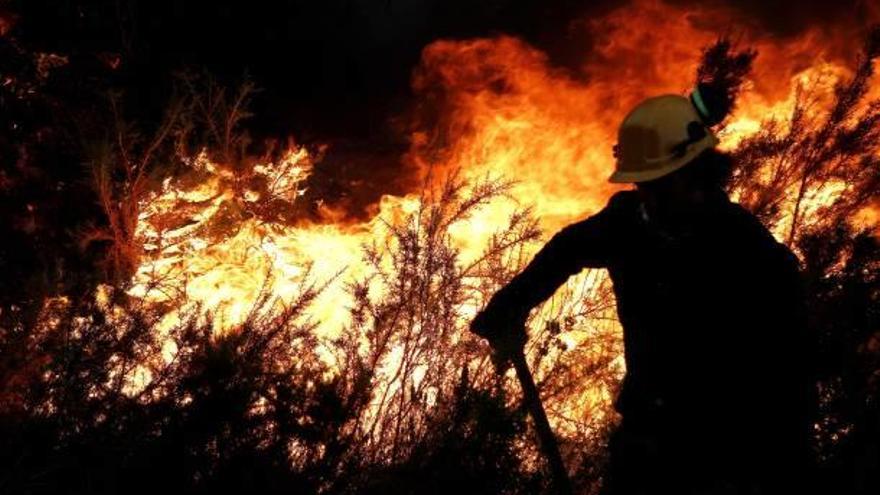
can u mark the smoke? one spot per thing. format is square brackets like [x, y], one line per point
[339, 72]
[790, 18]
[603, 58]
[602, 61]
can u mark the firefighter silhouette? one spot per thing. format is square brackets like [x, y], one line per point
[717, 391]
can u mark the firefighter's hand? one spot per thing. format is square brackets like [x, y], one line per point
[505, 332]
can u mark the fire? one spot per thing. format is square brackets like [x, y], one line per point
[225, 272]
[498, 109]
[510, 113]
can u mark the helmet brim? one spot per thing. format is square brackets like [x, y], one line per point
[636, 176]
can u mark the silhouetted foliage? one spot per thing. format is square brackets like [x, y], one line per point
[96, 395]
[102, 394]
[811, 177]
[720, 77]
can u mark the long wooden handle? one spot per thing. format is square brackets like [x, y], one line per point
[546, 438]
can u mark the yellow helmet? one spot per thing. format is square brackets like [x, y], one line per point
[659, 136]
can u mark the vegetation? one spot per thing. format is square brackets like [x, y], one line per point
[98, 396]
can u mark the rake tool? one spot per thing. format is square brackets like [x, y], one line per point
[546, 439]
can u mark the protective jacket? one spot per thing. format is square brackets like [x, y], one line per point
[717, 357]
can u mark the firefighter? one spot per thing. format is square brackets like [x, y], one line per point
[717, 390]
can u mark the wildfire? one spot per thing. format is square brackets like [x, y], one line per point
[498, 108]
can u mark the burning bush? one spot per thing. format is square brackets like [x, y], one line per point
[231, 342]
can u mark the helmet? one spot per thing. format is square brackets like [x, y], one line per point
[659, 136]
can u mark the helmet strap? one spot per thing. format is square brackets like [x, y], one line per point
[696, 132]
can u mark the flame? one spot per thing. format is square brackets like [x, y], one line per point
[498, 108]
[226, 274]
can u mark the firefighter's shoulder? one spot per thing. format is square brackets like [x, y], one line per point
[622, 206]
[624, 201]
[620, 211]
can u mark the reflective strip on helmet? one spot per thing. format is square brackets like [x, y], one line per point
[697, 99]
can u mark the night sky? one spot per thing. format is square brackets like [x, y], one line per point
[331, 68]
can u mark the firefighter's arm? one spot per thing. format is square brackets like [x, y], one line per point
[580, 245]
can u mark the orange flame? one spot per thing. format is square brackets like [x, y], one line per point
[499, 109]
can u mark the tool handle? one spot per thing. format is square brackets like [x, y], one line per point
[546, 438]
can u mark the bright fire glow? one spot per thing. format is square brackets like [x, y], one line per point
[505, 113]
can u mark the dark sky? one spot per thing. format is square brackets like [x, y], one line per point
[334, 66]
[328, 67]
